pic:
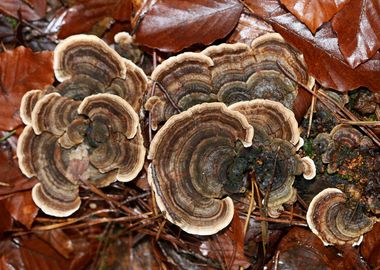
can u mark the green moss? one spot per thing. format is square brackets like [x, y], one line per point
[308, 147]
[12, 21]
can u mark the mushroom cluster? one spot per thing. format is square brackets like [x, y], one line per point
[335, 221]
[204, 151]
[202, 156]
[84, 130]
[228, 73]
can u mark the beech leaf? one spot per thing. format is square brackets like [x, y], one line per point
[21, 70]
[249, 28]
[172, 25]
[358, 30]
[34, 10]
[81, 17]
[321, 51]
[314, 12]
[22, 208]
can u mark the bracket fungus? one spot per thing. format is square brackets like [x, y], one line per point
[334, 221]
[85, 130]
[204, 154]
[228, 73]
[189, 160]
[86, 65]
[96, 140]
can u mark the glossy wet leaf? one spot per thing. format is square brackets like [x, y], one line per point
[21, 70]
[301, 249]
[371, 246]
[84, 14]
[314, 12]
[28, 10]
[249, 27]
[358, 29]
[172, 25]
[321, 51]
[22, 208]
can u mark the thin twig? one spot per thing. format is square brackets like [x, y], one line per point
[313, 101]
[251, 177]
[167, 95]
[343, 111]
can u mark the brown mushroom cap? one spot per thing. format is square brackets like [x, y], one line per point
[309, 169]
[96, 140]
[333, 221]
[41, 156]
[53, 113]
[28, 102]
[87, 55]
[275, 118]
[190, 154]
[271, 50]
[228, 73]
[110, 111]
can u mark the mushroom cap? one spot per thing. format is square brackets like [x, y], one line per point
[309, 169]
[275, 118]
[189, 159]
[96, 140]
[228, 73]
[87, 55]
[110, 111]
[53, 113]
[335, 222]
[271, 49]
[41, 156]
[28, 102]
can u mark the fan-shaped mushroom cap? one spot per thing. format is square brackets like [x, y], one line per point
[132, 88]
[271, 50]
[40, 156]
[190, 155]
[309, 169]
[87, 55]
[333, 221]
[96, 140]
[228, 73]
[275, 118]
[53, 113]
[28, 102]
[80, 86]
[110, 111]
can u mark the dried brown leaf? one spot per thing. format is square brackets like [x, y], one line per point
[82, 16]
[301, 249]
[5, 220]
[314, 12]
[34, 10]
[20, 71]
[249, 28]
[358, 28]
[371, 246]
[59, 240]
[172, 25]
[22, 208]
[321, 52]
[228, 245]
[33, 252]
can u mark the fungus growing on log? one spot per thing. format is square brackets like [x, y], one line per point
[228, 73]
[334, 221]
